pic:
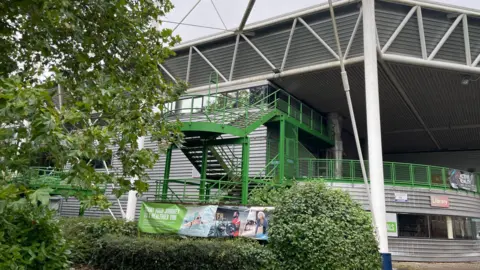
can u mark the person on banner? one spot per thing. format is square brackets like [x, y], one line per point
[262, 226]
[236, 223]
[196, 221]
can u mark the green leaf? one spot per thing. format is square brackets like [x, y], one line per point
[41, 195]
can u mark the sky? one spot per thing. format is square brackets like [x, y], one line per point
[231, 12]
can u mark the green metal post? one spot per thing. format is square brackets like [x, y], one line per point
[444, 178]
[429, 176]
[301, 113]
[166, 173]
[288, 110]
[412, 175]
[281, 150]
[245, 169]
[203, 172]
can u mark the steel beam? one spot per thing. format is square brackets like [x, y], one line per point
[246, 14]
[431, 63]
[166, 172]
[323, 66]
[466, 39]
[258, 51]
[399, 29]
[318, 38]
[287, 49]
[354, 33]
[189, 63]
[210, 64]
[477, 60]
[278, 19]
[234, 58]
[245, 170]
[203, 173]
[281, 151]
[446, 36]
[421, 33]
[168, 73]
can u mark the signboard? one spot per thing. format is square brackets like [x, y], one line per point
[462, 180]
[401, 197]
[439, 201]
[392, 226]
[205, 221]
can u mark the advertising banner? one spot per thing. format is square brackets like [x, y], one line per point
[462, 180]
[205, 221]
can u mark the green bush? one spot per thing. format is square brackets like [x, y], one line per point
[30, 238]
[315, 227]
[82, 234]
[129, 253]
[266, 195]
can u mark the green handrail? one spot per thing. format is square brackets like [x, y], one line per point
[395, 173]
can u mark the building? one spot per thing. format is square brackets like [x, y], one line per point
[273, 92]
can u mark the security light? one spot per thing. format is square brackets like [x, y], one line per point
[466, 80]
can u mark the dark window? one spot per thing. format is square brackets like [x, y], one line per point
[412, 225]
[462, 228]
[438, 227]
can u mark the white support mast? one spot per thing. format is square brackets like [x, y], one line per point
[374, 129]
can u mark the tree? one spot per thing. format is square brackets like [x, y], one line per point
[315, 227]
[79, 78]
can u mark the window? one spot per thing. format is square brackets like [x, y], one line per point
[412, 225]
[438, 227]
[462, 228]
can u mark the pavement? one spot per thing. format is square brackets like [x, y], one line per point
[435, 266]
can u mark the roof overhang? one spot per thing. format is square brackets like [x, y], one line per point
[429, 58]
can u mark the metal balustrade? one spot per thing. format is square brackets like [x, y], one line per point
[395, 173]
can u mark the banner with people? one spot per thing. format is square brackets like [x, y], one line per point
[462, 180]
[205, 220]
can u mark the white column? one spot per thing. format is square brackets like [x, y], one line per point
[373, 123]
[449, 227]
[132, 194]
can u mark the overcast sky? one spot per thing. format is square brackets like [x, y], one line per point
[231, 12]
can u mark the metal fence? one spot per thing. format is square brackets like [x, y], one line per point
[395, 173]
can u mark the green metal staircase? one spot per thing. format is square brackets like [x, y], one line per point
[214, 124]
[38, 177]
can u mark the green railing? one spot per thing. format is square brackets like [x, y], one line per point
[227, 108]
[188, 191]
[38, 177]
[395, 173]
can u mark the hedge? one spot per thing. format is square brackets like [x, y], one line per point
[127, 253]
[82, 234]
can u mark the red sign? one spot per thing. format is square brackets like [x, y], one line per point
[439, 201]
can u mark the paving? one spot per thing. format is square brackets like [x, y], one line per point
[436, 266]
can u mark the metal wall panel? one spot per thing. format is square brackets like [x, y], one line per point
[248, 62]
[221, 58]
[408, 40]
[454, 48]
[434, 250]
[461, 203]
[177, 66]
[272, 46]
[388, 19]
[200, 71]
